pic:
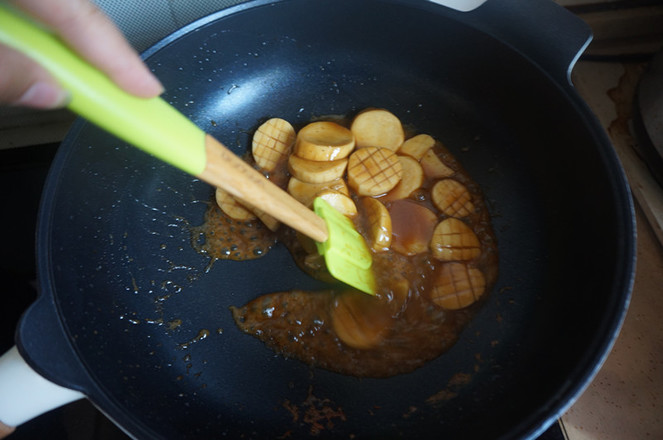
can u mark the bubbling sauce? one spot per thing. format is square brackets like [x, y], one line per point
[223, 238]
[425, 295]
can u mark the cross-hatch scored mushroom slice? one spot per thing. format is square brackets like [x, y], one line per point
[377, 128]
[452, 198]
[457, 286]
[453, 240]
[433, 166]
[321, 141]
[231, 207]
[379, 224]
[417, 146]
[306, 192]
[272, 143]
[374, 171]
[413, 178]
[313, 171]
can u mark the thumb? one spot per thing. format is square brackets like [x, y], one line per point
[25, 83]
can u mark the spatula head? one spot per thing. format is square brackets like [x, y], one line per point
[347, 257]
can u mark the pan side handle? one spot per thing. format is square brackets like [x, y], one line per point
[460, 5]
[42, 372]
[46, 347]
[543, 31]
[25, 394]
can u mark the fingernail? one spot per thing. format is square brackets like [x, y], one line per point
[155, 85]
[43, 95]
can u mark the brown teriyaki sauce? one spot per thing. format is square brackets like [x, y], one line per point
[401, 327]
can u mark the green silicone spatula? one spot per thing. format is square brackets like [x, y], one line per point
[159, 129]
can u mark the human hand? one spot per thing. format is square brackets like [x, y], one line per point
[88, 31]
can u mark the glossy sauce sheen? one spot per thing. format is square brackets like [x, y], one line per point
[400, 328]
[223, 238]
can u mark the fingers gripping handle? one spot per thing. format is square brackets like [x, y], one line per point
[150, 124]
[25, 394]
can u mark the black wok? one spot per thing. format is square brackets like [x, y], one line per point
[132, 316]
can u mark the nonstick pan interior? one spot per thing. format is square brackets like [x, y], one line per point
[148, 317]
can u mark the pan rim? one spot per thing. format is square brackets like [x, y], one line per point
[628, 221]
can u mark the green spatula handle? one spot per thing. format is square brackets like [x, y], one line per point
[153, 125]
[150, 124]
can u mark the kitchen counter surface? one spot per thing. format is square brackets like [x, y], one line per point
[624, 399]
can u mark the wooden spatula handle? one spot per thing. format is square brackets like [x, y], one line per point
[154, 126]
[229, 172]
